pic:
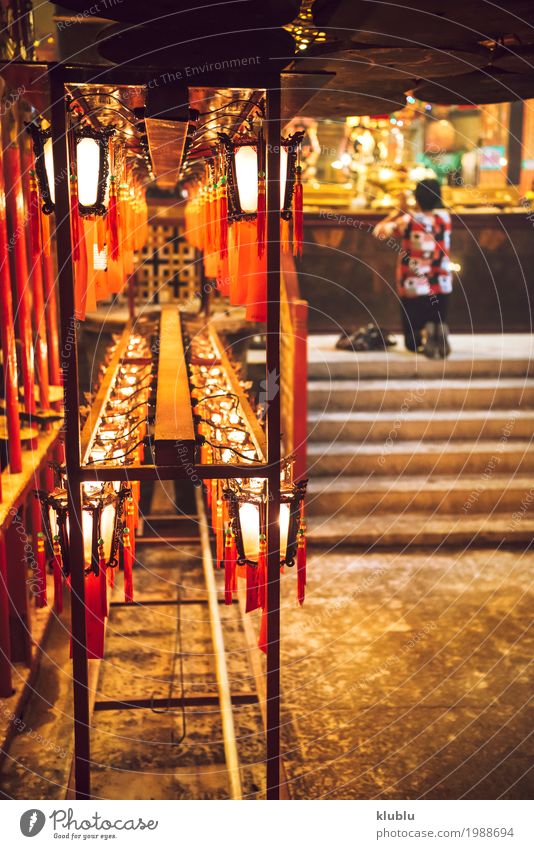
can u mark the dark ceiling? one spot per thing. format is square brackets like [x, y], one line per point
[375, 51]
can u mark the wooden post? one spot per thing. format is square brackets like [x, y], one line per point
[17, 574]
[272, 139]
[69, 365]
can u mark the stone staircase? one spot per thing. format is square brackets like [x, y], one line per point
[403, 450]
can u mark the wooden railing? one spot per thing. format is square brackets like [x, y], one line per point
[294, 369]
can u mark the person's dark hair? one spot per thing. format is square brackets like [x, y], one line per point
[428, 195]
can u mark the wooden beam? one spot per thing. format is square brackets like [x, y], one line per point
[149, 472]
[174, 430]
[221, 670]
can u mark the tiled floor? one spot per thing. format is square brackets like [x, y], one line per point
[410, 676]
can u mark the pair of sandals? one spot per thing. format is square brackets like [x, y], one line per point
[436, 345]
[370, 338]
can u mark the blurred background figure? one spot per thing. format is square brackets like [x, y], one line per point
[424, 278]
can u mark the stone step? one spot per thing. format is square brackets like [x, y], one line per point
[419, 529]
[414, 425]
[420, 458]
[362, 496]
[401, 395]
[367, 366]
[483, 355]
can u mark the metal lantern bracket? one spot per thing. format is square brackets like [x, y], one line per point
[291, 144]
[39, 136]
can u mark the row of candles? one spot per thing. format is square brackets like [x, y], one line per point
[110, 510]
[238, 506]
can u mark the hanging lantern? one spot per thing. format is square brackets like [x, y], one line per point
[248, 510]
[245, 170]
[93, 169]
[44, 165]
[56, 523]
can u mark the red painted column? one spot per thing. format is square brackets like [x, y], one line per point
[17, 246]
[49, 279]
[7, 335]
[33, 231]
[6, 686]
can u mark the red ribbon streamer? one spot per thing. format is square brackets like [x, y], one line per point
[229, 568]
[301, 564]
[128, 567]
[75, 219]
[102, 577]
[58, 578]
[113, 221]
[261, 217]
[41, 570]
[223, 219]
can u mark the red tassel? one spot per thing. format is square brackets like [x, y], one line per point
[252, 602]
[261, 218]
[57, 565]
[262, 641]
[128, 566]
[284, 235]
[75, 219]
[262, 574]
[102, 578]
[35, 218]
[111, 578]
[130, 521]
[94, 619]
[298, 214]
[113, 220]
[229, 568]
[234, 560]
[301, 564]
[40, 598]
[223, 219]
[219, 531]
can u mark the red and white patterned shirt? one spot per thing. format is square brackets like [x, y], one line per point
[424, 265]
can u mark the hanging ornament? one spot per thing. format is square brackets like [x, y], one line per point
[40, 597]
[113, 220]
[298, 213]
[57, 567]
[223, 218]
[102, 577]
[301, 563]
[127, 560]
[75, 219]
[229, 567]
